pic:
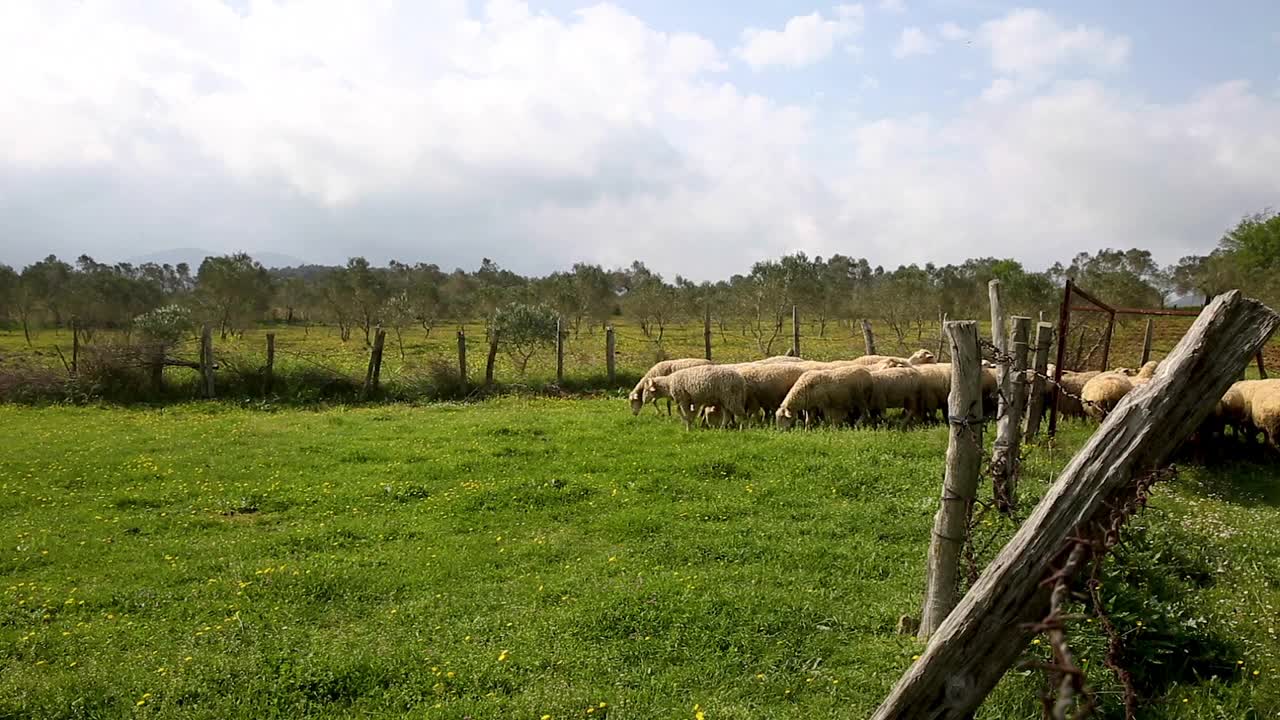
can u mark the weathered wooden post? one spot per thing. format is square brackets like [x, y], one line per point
[610, 346]
[706, 331]
[1146, 341]
[987, 632]
[795, 331]
[942, 335]
[156, 351]
[559, 351]
[868, 337]
[1006, 450]
[1106, 341]
[269, 372]
[960, 485]
[375, 364]
[1035, 394]
[462, 358]
[492, 357]
[999, 338]
[75, 346]
[206, 360]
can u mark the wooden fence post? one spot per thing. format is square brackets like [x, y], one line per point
[462, 358]
[1262, 368]
[157, 367]
[493, 355]
[795, 331]
[868, 337]
[206, 360]
[75, 346]
[1106, 341]
[964, 456]
[559, 351]
[942, 335]
[1035, 395]
[986, 633]
[269, 373]
[1063, 333]
[999, 338]
[610, 345]
[1006, 450]
[1146, 341]
[375, 364]
[706, 331]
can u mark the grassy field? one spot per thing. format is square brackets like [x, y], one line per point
[535, 558]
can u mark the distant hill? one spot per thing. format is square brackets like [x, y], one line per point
[194, 256]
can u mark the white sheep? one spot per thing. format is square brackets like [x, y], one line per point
[1103, 392]
[896, 387]
[919, 357]
[695, 388]
[1264, 411]
[836, 392]
[661, 369]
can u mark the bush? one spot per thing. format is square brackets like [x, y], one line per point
[165, 325]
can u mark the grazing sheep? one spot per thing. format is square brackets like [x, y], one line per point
[780, 359]
[697, 387]
[1072, 385]
[896, 387]
[836, 393]
[1146, 372]
[1265, 411]
[767, 385]
[919, 357]
[1103, 392]
[1231, 411]
[662, 369]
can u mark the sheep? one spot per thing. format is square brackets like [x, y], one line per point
[1103, 392]
[697, 387]
[919, 357]
[1264, 411]
[768, 385]
[780, 359]
[894, 387]
[1230, 411]
[835, 392]
[1072, 385]
[666, 367]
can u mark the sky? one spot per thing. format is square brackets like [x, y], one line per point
[697, 137]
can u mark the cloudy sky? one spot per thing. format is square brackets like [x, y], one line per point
[697, 136]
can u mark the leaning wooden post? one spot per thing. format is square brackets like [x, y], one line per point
[986, 633]
[375, 364]
[559, 351]
[1007, 448]
[1036, 392]
[206, 360]
[960, 485]
[610, 347]
[795, 331]
[75, 346]
[868, 337]
[491, 358]
[1146, 341]
[706, 331]
[462, 358]
[269, 372]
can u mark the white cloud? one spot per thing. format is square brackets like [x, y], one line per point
[953, 32]
[429, 132]
[893, 6]
[1031, 42]
[804, 40]
[914, 41]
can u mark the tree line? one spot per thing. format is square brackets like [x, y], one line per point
[234, 292]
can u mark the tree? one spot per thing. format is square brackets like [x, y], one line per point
[9, 287]
[369, 293]
[234, 290]
[650, 301]
[523, 329]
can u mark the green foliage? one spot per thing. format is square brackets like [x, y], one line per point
[166, 325]
[233, 291]
[523, 329]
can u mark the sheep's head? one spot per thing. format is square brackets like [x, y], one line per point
[1130, 372]
[652, 391]
[785, 418]
[637, 402]
[921, 357]
[1148, 369]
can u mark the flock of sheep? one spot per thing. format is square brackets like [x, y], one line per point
[786, 390]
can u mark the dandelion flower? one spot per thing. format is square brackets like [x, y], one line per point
[502, 656]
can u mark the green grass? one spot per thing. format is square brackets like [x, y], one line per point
[528, 557]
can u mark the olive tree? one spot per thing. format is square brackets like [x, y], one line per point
[524, 329]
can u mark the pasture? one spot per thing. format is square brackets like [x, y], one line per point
[551, 558]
